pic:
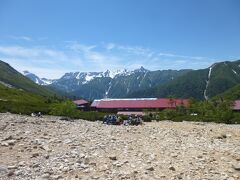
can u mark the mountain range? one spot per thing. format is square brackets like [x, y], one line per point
[108, 84]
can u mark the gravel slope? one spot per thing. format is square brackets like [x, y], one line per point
[48, 148]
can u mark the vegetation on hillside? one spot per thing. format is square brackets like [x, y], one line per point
[10, 76]
[22, 102]
[19, 101]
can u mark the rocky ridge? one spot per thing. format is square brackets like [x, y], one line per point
[48, 148]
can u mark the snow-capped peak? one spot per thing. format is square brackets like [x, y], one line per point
[36, 79]
[119, 72]
[125, 72]
[91, 75]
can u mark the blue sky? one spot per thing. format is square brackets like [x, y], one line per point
[50, 38]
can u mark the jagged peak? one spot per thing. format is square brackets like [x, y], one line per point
[141, 69]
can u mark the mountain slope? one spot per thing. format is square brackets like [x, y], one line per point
[231, 94]
[199, 84]
[191, 84]
[225, 75]
[12, 78]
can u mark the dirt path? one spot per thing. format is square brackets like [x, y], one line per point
[47, 148]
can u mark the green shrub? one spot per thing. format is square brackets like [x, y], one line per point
[67, 108]
[236, 118]
[147, 118]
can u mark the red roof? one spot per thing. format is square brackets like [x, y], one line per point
[95, 103]
[237, 105]
[80, 102]
[139, 103]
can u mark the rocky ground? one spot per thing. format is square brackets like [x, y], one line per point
[49, 148]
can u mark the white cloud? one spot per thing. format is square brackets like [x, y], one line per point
[74, 56]
[137, 50]
[49, 61]
[25, 38]
[110, 46]
[181, 56]
[38, 54]
[80, 47]
[51, 71]
[149, 53]
[95, 59]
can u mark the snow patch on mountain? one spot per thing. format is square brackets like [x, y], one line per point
[107, 92]
[120, 72]
[208, 81]
[235, 72]
[47, 81]
[78, 76]
[128, 90]
[90, 77]
[210, 71]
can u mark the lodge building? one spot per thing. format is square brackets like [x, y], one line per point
[137, 105]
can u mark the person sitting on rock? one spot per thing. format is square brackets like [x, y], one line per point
[129, 120]
[125, 123]
[139, 120]
[110, 119]
[105, 118]
[118, 122]
[39, 114]
[114, 120]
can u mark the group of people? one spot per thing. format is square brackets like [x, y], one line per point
[133, 120]
[112, 119]
[39, 114]
[117, 120]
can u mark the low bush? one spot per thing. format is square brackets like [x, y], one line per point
[147, 118]
[66, 108]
